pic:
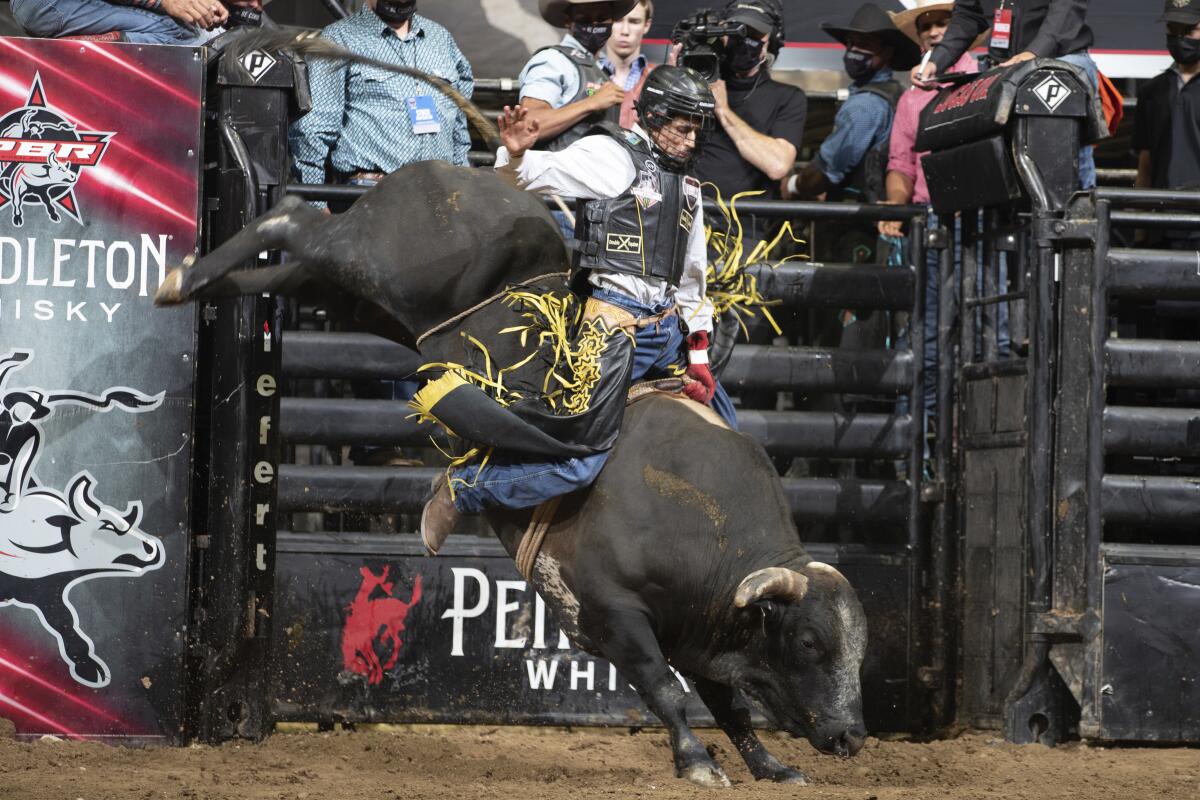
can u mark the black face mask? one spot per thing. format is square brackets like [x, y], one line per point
[742, 55]
[859, 66]
[1183, 49]
[592, 35]
[395, 12]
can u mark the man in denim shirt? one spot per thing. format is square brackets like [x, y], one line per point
[183, 22]
[366, 121]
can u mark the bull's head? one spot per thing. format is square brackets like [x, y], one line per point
[45, 537]
[806, 652]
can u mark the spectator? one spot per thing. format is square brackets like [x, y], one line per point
[863, 124]
[761, 120]
[563, 88]
[1167, 128]
[1037, 29]
[367, 122]
[623, 59]
[925, 24]
[183, 22]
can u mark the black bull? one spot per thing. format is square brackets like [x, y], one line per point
[683, 552]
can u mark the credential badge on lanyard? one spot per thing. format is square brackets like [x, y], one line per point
[1002, 27]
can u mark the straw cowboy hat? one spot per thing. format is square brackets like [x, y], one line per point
[872, 20]
[906, 21]
[555, 11]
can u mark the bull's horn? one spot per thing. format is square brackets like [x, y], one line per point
[786, 584]
[818, 566]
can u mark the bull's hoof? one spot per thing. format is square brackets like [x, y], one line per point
[710, 776]
[170, 292]
[786, 775]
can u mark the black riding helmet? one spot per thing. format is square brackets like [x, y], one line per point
[676, 93]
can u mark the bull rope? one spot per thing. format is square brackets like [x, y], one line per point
[535, 535]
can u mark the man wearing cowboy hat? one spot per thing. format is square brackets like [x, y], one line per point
[874, 47]
[925, 24]
[1021, 30]
[563, 87]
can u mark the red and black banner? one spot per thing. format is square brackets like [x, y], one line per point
[99, 187]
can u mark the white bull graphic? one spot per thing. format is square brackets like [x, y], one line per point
[52, 541]
[51, 544]
[40, 182]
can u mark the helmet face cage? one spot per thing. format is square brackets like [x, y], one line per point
[658, 107]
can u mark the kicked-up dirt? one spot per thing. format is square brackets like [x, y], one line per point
[552, 764]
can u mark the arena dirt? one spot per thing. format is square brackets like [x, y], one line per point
[544, 764]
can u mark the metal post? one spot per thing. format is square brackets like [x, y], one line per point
[970, 267]
[943, 561]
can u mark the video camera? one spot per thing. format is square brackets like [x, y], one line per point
[700, 35]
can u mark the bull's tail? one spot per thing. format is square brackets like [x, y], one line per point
[312, 45]
[126, 399]
[416, 592]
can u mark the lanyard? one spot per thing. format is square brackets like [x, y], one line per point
[1002, 27]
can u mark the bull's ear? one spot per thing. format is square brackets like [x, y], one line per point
[781, 583]
[80, 495]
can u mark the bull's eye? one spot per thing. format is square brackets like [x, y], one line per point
[108, 526]
[808, 642]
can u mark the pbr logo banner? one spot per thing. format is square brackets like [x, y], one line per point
[99, 171]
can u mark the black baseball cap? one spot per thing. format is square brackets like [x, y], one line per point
[1183, 11]
[759, 15]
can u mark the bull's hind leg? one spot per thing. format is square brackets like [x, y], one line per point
[286, 227]
[735, 721]
[629, 643]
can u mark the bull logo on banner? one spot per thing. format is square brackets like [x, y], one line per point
[374, 621]
[42, 154]
[51, 541]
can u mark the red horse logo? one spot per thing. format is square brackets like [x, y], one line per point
[374, 617]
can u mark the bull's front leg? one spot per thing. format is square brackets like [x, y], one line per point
[735, 721]
[84, 665]
[628, 641]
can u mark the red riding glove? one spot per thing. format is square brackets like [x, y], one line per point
[703, 385]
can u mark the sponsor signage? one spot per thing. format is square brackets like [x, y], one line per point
[367, 630]
[99, 171]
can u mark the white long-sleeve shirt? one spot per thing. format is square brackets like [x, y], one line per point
[598, 168]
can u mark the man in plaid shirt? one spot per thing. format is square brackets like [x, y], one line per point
[366, 121]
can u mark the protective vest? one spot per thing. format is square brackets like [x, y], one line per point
[645, 230]
[865, 183]
[591, 79]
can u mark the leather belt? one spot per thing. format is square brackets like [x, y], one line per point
[616, 317]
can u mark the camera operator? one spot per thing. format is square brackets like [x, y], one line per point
[761, 121]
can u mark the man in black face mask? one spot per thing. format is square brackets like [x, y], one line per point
[844, 169]
[760, 121]
[563, 88]
[1167, 129]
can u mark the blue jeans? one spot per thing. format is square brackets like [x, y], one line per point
[51, 19]
[509, 482]
[1087, 158]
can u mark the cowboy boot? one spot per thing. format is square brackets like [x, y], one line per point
[439, 517]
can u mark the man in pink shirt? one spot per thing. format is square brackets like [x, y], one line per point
[925, 24]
